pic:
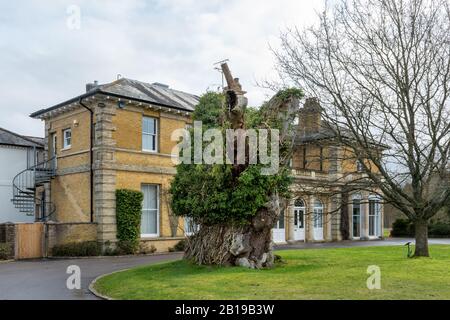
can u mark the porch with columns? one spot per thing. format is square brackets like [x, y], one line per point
[328, 219]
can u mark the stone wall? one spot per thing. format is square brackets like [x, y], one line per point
[105, 175]
[62, 233]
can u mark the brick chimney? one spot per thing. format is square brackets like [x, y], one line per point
[310, 117]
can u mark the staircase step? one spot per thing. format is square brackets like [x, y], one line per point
[23, 198]
[26, 192]
[24, 204]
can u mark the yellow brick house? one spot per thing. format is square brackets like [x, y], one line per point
[326, 206]
[116, 135]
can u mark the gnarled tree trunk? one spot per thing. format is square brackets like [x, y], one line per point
[247, 246]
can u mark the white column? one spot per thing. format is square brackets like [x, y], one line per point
[309, 219]
[365, 217]
[290, 221]
[328, 217]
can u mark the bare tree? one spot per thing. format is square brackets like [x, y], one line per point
[381, 70]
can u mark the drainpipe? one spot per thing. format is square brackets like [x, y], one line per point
[91, 156]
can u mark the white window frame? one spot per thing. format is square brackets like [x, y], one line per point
[376, 216]
[150, 134]
[318, 214]
[152, 235]
[65, 144]
[359, 198]
[297, 209]
[190, 227]
[283, 219]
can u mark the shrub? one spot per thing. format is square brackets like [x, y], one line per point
[128, 215]
[439, 229]
[405, 228]
[402, 228]
[126, 247]
[5, 251]
[278, 259]
[145, 250]
[77, 249]
[179, 246]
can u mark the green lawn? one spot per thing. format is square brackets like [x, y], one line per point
[307, 274]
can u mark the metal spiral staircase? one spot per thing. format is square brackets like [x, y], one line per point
[25, 185]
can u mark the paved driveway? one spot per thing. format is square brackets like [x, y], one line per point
[46, 279]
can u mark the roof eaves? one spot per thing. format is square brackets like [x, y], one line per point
[31, 141]
[99, 90]
[39, 113]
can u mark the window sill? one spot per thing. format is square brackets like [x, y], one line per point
[150, 151]
[66, 148]
[149, 236]
[157, 238]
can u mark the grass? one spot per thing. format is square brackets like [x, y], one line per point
[306, 274]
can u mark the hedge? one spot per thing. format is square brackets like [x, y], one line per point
[77, 249]
[5, 250]
[405, 228]
[128, 217]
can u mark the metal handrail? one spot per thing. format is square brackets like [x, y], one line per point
[24, 185]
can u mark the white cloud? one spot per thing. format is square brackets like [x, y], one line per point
[174, 42]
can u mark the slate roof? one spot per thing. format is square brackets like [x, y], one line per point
[125, 88]
[326, 132]
[13, 139]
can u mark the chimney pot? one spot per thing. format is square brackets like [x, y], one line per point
[91, 86]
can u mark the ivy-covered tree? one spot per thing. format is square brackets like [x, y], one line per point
[235, 204]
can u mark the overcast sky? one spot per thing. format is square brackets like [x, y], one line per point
[47, 56]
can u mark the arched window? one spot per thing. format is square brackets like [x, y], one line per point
[299, 203]
[318, 214]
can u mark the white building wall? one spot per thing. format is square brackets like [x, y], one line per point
[12, 161]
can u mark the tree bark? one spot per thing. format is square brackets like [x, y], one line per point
[344, 226]
[421, 234]
[250, 244]
[227, 245]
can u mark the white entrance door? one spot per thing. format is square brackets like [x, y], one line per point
[279, 231]
[318, 220]
[299, 220]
